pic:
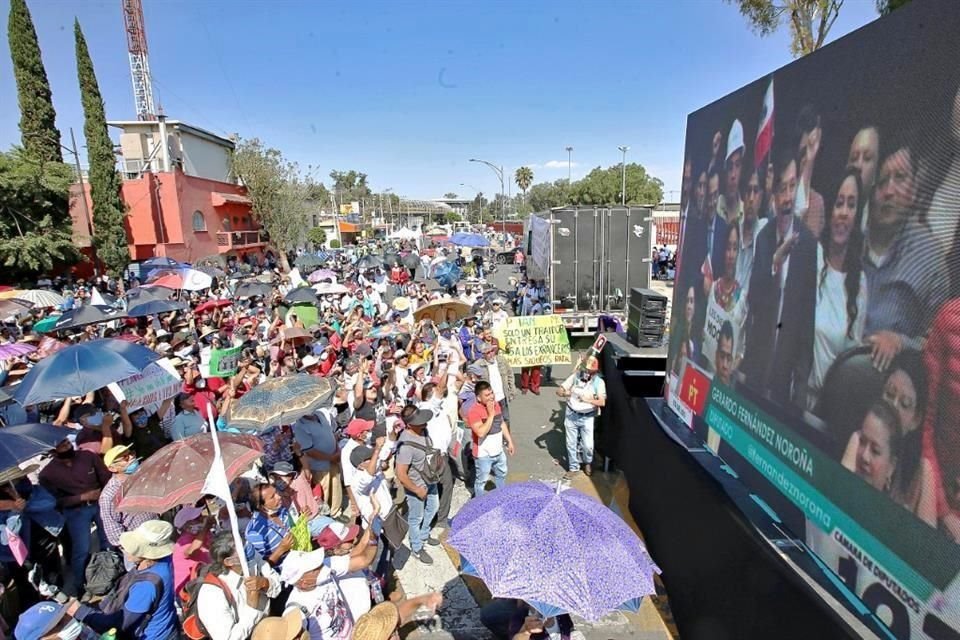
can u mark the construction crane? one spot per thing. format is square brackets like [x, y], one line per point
[139, 61]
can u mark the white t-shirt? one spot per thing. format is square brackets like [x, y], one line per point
[439, 426]
[717, 314]
[349, 471]
[830, 337]
[579, 389]
[365, 485]
[326, 603]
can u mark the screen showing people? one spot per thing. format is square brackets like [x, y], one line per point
[818, 288]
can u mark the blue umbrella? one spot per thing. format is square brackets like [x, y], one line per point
[153, 307]
[21, 442]
[469, 240]
[82, 368]
[163, 262]
[560, 551]
[447, 274]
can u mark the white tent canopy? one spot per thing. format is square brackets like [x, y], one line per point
[404, 234]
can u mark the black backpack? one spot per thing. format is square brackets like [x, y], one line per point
[434, 461]
[103, 572]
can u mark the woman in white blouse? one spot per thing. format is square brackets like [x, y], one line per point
[842, 286]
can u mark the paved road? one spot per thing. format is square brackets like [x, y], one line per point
[536, 422]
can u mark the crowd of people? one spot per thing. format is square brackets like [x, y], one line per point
[414, 399]
[789, 269]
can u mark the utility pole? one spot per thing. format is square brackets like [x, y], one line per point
[569, 164]
[623, 175]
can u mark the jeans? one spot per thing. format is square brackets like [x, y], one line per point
[78, 523]
[486, 465]
[419, 516]
[579, 430]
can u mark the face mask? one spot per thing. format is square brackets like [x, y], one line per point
[585, 375]
[281, 485]
[72, 631]
[66, 455]
[133, 466]
[96, 419]
[141, 420]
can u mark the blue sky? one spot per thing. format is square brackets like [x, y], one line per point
[409, 91]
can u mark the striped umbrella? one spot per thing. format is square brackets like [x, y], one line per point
[36, 297]
[15, 349]
[175, 474]
[280, 401]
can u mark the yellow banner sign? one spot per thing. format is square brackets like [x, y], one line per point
[530, 341]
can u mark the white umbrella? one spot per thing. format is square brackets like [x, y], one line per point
[324, 288]
[40, 297]
[194, 280]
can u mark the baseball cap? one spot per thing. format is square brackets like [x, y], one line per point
[360, 455]
[358, 426]
[38, 620]
[735, 138]
[115, 452]
[282, 468]
[297, 563]
[476, 370]
[399, 353]
[335, 534]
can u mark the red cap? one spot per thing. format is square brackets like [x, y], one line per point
[358, 426]
[333, 535]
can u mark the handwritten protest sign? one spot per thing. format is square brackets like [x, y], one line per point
[159, 381]
[224, 362]
[530, 341]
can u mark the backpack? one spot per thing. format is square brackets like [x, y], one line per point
[192, 625]
[103, 573]
[116, 599]
[434, 461]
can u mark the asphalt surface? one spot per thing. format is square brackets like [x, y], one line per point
[537, 426]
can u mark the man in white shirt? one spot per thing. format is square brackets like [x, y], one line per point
[494, 377]
[440, 430]
[496, 316]
[586, 393]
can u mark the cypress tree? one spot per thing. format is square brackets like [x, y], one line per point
[38, 127]
[109, 233]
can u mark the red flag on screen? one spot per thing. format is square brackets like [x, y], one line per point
[694, 389]
[765, 132]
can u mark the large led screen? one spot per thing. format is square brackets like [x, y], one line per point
[815, 332]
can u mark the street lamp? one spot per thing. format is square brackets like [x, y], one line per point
[569, 163]
[503, 197]
[623, 175]
[476, 192]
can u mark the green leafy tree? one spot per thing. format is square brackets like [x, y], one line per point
[885, 7]
[548, 195]
[449, 196]
[334, 244]
[524, 178]
[601, 187]
[109, 211]
[38, 127]
[317, 236]
[280, 197]
[351, 186]
[35, 226]
[809, 20]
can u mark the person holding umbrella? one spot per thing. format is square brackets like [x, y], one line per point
[76, 479]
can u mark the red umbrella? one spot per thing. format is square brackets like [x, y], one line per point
[129, 337]
[175, 474]
[170, 281]
[209, 305]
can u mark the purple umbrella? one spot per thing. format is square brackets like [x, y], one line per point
[320, 275]
[15, 349]
[560, 551]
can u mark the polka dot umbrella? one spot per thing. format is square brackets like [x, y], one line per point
[279, 401]
[175, 474]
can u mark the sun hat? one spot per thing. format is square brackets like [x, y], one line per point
[401, 303]
[377, 624]
[186, 514]
[309, 360]
[420, 418]
[115, 452]
[287, 627]
[298, 563]
[282, 468]
[152, 540]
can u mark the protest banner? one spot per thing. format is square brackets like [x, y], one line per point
[156, 383]
[224, 362]
[531, 341]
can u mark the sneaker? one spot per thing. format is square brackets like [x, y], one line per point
[569, 474]
[588, 469]
[433, 541]
[423, 556]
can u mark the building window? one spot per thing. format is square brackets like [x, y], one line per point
[199, 222]
[226, 224]
[246, 221]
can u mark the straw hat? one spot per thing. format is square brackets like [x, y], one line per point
[377, 624]
[401, 303]
[152, 540]
[289, 627]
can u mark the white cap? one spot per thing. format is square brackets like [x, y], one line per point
[308, 361]
[735, 138]
[297, 563]
[399, 353]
